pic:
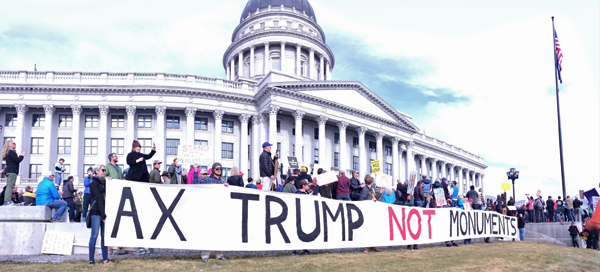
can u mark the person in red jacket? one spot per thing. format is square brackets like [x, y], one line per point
[343, 187]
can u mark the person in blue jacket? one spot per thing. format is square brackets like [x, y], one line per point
[48, 196]
[87, 197]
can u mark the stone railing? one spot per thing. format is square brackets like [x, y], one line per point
[24, 181]
[104, 78]
[449, 147]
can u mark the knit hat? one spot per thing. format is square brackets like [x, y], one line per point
[135, 144]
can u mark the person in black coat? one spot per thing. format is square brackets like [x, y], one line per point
[9, 154]
[137, 163]
[235, 179]
[97, 215]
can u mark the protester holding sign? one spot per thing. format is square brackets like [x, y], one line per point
[267, 166]
[137, 163]
[97, 214]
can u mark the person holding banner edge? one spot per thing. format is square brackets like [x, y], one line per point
[267, 166]
[98, 192]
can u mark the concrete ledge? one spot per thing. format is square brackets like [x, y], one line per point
[25, 213]
[21, 238]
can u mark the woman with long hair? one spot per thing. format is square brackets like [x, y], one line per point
[9, 154]
[235, 179]
[98, 192]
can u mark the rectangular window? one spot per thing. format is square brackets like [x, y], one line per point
[200, 142]
[172, 145]
[65, 120]
[91, 121]
[67, 171]
[275, 23]
[293, 132]
[355, 142]
[388, 150]
[336, 159]
[90, 146]
[316, 133]
[278, 126]
[200, 123]
[6, 139]
[37, 145]
[355, 163]
[251, 28]
[11, 120]
[372, 146]
[226, 173]
[173, 122]
[262, 25]
[35, 171]
[227, 150]
[144, 121]
[227, 126]
[301, 27]
[38, 120]
[294, 150]
[316, 156]
[64, 146]
[117, 121]
[336, 137]
[117, 146]
[388, 169]
[289, 24]
[86, 167]
[278, 147]
[146, 144]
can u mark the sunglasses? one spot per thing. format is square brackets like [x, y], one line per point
[218, 168]
[103, 170]
[204, 174]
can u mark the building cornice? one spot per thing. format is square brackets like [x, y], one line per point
[448, 153]
[262, 14]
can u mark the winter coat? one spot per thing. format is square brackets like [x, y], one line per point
[235, 181]
[12, 162]
[68, 189]
[550, 204]
[573, 231]
[418, 192]
[267, 164]
[302, 176]
[569, 202]
[98, 190]
[426, 186]
[138, 170]
[114, 173]
[155, 176]
[354, 187]
[343, 186]
[193, 176]
[401, 193]
[46, 192]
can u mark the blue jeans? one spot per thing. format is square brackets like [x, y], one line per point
[57, 178]
[522, 234]
[418, 203]
[531, 216]
[96, 225]
[344, 197]
[71, 206]
[60, 207]
[570, 215]
[454, 203]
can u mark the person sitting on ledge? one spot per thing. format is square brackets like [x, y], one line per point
[29, 197]
[48, 196]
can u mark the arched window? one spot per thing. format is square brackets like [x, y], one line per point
[246, 70]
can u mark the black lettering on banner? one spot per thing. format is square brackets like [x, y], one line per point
[494, 223]
[502, 225]
[482, 229]
[352, 225]
[487, 217]
[245, 198]
[339, 212]
[472, 222]
[269, 221]
[167, 213]
[454, 221]
[463, 231]
[512, 225]
[127, 195]
[307, 237]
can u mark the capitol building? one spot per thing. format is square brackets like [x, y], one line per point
[279, 87]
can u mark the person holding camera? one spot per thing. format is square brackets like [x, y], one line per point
[137, 163]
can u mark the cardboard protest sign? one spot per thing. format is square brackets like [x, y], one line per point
[581, 196]
[440, 200]
[240, 219]
[505, 187]
[58, 242]
[539, 192]
[326, 178]
[375, 168]
[512, 208]
[412, 181]
[595, 202]
[385, 181]
[191, 154]
[293, 161]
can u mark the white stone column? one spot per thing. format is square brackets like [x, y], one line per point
[395, 160]
[323, 152]
[75, 137]
[228, 72]
[251, 61]
[444, 172]
[298, 58]
[49, 140]
[321, 68]
[103, 145]
[344, 158]
[298, 115]
[218, 114]
[256, 148]
[20, 139]
[240, 63]
[481, 178]
[362, 152]
[423, 166]
[267, 66]
[161, 146]
[282, 57]
[190, 132]
[232, 65]
[457, 172]
[131, 126]
[434, 169]
[379, 140]
[264, 130]
[311, 64]
[410, 159]
[328, 77]
[273, 110]
[244, 142]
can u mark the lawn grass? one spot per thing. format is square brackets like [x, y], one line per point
[500, 256]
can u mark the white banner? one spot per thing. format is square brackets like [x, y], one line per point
[326, 178]
[214, 217]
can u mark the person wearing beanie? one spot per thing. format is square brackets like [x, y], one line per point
[137, 163]
[87, 197]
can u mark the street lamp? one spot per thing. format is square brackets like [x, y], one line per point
[512, 175]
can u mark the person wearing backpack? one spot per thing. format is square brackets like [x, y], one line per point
[560, 209]
[538, 205]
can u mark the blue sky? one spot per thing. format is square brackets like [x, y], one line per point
[476, 74]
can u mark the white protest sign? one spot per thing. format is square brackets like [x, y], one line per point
[191, 154]
[326, 178]
[384, 181]
[214, 217]
[412, 181]
[595, 200]
[440, 200]
[58, 242]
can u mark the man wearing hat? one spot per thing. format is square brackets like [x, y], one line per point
[267, 166]
[155, 173]
[165, 176]
[137, 163]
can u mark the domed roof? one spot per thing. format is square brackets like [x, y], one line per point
[300, 5]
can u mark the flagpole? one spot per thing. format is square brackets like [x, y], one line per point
[562, 165]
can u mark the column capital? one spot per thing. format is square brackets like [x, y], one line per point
[160, 110]
[273, 109]
[76, 109]
[379, 136]
[310, 50]
[21, 108]
[322, 120]
[298, 115]
[257, 119]
[395, 140]
[266, 44]
[244, 118]
[241, 52]
[191, 111]
[49, 109]
[298, 46]
[218, 114]
[104, 109]
[130, 109]
[283, 43]
[361, 131]
[457, 167]
[342, 125]
[252, 47]
[409, 144]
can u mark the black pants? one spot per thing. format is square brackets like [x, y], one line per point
[87, 199]
[71, 206]
[575, 242]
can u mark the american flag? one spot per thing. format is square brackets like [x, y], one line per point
[559, 56]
